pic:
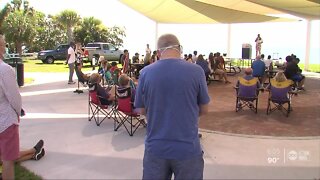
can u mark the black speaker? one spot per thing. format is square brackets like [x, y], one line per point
[246, 53]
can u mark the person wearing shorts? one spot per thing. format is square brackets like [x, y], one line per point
[10, 111]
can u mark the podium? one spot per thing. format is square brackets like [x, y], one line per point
[246, 51]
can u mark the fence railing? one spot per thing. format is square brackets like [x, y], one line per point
[34, 54]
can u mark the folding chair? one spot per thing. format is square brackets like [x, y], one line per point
[127, 117]
[95, 108]
[279, 96]
[247, 94]
[81, 80]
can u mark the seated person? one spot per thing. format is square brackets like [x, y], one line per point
[204, 65]
[135, 58]
[248, 76]
[101, 60]
[221, 59]
[217, 67]
[258, 69]
[83, 78]
[268, 62]
[106, 96]
[189, 58]
[126, 82]
[105, 71]
[280, 82]
[114, 67]
[293, 72]
[154, 57]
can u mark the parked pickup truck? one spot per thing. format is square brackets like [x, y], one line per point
[49, 56]
[97, 49]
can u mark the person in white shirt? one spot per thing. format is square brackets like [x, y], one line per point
[259, 42]
[267, 62]
[10, 110]
[147, 58]
[194, 56]
[71, 59]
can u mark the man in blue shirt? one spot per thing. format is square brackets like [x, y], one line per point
[173, 93]
[259, 67]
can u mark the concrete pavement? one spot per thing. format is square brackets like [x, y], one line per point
[78, 149]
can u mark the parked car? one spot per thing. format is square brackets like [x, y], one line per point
[49, 56]
[97, 49]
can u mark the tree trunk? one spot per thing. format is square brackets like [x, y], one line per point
[19, 48]
[69, 34]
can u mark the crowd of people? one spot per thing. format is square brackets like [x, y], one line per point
[169, 147]
[263, 69]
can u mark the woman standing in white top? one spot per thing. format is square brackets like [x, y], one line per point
[148, 55]
[258, 41]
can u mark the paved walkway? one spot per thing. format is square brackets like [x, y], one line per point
[78, 149]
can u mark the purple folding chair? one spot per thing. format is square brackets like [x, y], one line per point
[247, 93]
[279, 96]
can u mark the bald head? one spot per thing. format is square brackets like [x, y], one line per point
[169, 47]
[248, 71]
[167, 40]
[258, 57]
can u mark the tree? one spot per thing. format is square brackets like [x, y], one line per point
[88, 31]
[49, 33]
[68, 19]
[115, 35]
[4, 13]
[19, 25]
[92, 30]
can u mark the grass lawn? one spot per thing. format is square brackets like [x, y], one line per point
[35, 65]
[312, 67]
[22, 173]
[28, 80]
[31, 65]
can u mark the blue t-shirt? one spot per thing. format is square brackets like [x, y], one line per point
[204, 65]
[258, 68]
[171, 91]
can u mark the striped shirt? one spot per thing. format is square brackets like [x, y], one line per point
[10, 98]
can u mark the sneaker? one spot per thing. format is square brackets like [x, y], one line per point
[294, 90]
[40, 155]
[72, 82]
[38, 146]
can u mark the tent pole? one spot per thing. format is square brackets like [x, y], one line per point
[307, 57]
[156, 36]
[229, 41]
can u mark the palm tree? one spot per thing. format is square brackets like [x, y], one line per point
[4, 13]
[68, 19]
[19, 24]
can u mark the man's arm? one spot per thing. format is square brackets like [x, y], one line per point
[142, 111]
[204, 109]
[11, 90]
[68, 57]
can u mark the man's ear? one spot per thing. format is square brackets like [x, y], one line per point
[158, 53]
